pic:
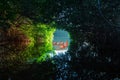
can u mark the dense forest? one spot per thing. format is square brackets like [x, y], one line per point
[26, 32]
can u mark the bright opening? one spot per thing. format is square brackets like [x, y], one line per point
[61, 41]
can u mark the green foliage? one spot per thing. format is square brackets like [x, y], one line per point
[41, 36]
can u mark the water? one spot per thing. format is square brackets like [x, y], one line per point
[62, 58]
[64, 71]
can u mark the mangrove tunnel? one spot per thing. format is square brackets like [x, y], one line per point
[59, 39]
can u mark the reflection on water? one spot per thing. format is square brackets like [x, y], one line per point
[58, 52]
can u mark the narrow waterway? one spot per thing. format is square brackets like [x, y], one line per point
[62, 57]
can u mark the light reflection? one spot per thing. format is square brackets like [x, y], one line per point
[58, 52]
